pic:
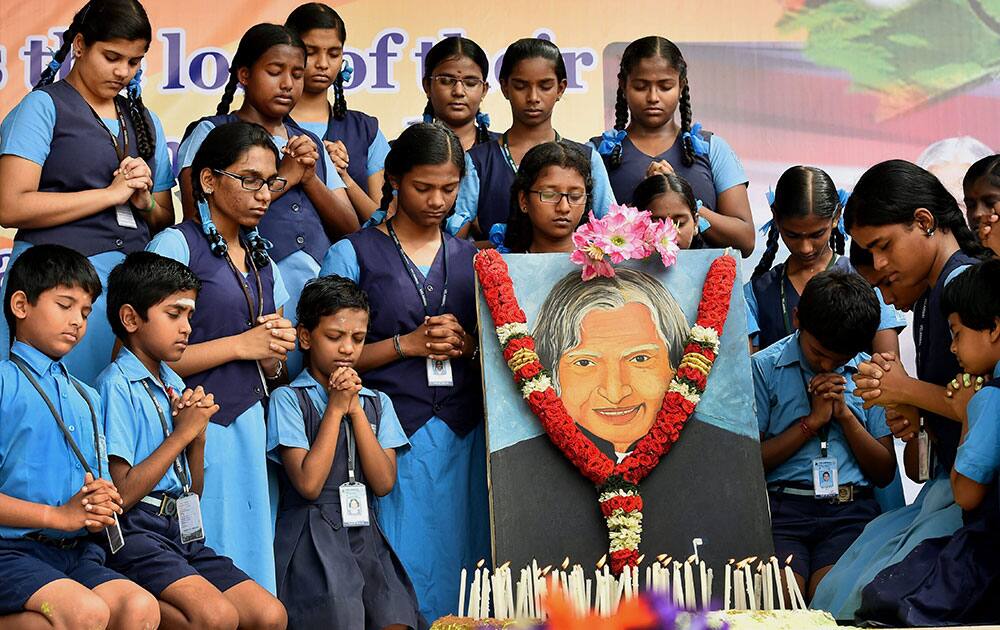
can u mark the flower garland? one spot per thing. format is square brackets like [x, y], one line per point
[624, 233]
[617, 484]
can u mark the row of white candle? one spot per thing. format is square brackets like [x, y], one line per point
[688, 584]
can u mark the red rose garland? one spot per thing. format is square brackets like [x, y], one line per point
[618, 485]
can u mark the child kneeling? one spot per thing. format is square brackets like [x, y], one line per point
[156, 448]
[822, 450]
[336, 442]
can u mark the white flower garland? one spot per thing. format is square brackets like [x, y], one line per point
[538, 384]
[707, 337]
[507, 331]
[689, 393]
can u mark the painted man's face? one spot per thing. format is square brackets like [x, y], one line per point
[612, 382]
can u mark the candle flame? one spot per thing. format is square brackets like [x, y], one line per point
[565, 563]
[479, 565]
[602, 561]
[788, 560]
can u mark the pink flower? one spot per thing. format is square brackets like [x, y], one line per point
[621, 234]
[662, 237]
[588, 253]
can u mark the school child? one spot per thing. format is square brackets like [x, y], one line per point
[456, 80]
[550, 198]
[156, 432]
[806, 209]
[82, 165]
[352, 139]
[670, 196]
[336, 442]
[54, 487]
[811, 423]
[239, 338]
[532, 79]
[313, 208]
[982, 200]
[956, 579]
[420, 285]
[646, 139]
[919, 241]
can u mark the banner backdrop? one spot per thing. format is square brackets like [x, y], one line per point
[840, 84]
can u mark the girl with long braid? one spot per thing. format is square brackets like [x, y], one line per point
[422, 295]
[533, 79]
[239, 338]
[646, 140]
[456, 80]
[313, 210]
[352, 139]
[806, 208]
[85, 166]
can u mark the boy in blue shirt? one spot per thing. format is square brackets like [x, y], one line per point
[53, 481]
[156, 450]
[812, 427]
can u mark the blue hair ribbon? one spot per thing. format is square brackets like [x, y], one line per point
[610, 140]
[764, 229]
[699, 144]
[54, 65]
[483, 120]
[842, 196]
[134, 88]
[428, 118]
[378, 217]
[347, 69]
[254, 235]
[497, 235]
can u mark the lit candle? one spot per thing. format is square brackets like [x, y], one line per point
[727, 585]
[748, 582]
[461, 594]
[678, 588]
[703, 574]
[740, 589]
[711, 577]
[689, 600]
[776, 572]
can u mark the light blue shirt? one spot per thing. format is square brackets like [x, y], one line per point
[727, 170]
[979, 455]
[131, 420]
[189, 147]
[27, 132]
[286, 424]
[172, 244]
[780, 375]
[342, 260]
[467, 203]
[377, 150]
[37, 463]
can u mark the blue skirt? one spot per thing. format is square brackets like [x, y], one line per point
[236, 504]
[296, 269]
[437, 516]
[93, 353]
[884, 542]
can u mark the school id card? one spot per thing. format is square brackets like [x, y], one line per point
[354, 504]
[923, 456]
[189, 518]
[439, 373]
[124, 216]
[825, 482]
[116, 540]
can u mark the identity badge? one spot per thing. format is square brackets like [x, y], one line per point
[354, 504]
[116, 540]
[123, 212]
[189, 518]
[439, 373]
[825, 482]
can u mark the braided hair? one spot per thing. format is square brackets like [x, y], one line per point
[520, 230]
[802, 191]
[456, 48]
[890, 192]
[645, 48]
[102, 21]
[255, 42]
[421, 144]
[224, 146]
[316, 15]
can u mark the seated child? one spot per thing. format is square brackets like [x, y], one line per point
[54, 487]
[956, 579]
[669, 196]
[156, 447]
[811, 423]
[336, 443]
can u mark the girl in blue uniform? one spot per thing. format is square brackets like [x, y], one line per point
[646, 139]
[313, 209]
[550, 198]
[421, 289]
[352, 139]
[456, 72]
[806, 207]
[919, 239]
[83, 166]
[669, 196]
[956, 579]
[239, 338]
[532, 79]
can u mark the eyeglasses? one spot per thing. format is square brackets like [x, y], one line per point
[446, 81]
[574, 198]
[254, 183]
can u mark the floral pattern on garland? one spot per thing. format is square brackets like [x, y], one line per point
[617, 484]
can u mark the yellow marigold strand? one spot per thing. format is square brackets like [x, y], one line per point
[521, 358]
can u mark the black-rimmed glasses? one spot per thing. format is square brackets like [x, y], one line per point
[254, 183]
[574, 198]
